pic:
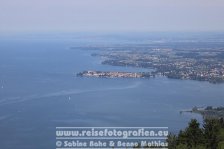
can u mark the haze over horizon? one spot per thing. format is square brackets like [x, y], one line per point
[111, 15]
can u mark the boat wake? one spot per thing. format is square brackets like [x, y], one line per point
[12, 100]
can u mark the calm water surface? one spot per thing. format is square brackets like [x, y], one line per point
[37, 79]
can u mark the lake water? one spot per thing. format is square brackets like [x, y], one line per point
[37, 79]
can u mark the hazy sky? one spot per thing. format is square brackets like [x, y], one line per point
[111, 15]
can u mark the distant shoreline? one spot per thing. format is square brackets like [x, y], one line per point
[207, 112]
[184, 64]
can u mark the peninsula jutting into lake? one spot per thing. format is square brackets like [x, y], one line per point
[208, 112]
[187, 63]
[108, 74]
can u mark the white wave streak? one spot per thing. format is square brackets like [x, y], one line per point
[18, 99]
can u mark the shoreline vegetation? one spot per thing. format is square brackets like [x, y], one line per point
[210, 135]
[208, 112]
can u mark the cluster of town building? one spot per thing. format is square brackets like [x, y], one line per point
[113, 74]
[171, 63]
